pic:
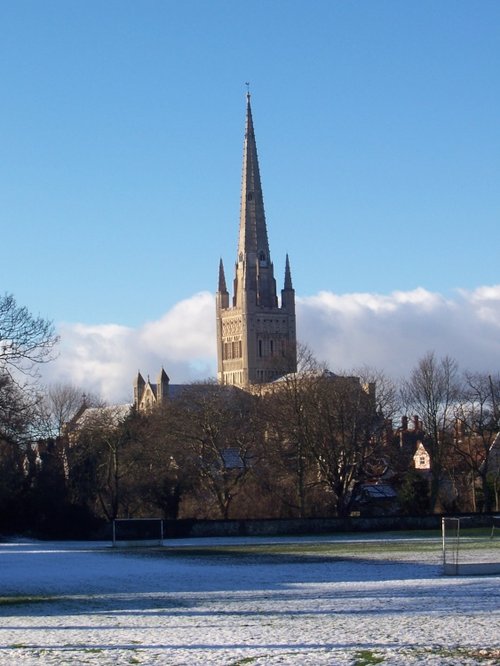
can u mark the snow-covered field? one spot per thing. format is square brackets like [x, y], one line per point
[293, 601]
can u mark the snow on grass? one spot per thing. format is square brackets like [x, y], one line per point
[326, 600]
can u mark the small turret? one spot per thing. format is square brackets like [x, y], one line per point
[162, 387]
[288, 275]
[222, 292]
[139, 385]
[288, 292]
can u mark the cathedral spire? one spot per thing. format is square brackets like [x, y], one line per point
[253, 242]
[254, 269]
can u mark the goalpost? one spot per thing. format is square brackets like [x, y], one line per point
[137, 532]
[450, 532]
[470, 551]
[495, 526]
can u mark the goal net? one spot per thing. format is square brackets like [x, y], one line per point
[469, 550]
[130, 532]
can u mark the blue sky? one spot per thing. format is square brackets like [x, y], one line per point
[121, 132]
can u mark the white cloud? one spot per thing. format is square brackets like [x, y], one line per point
[105, 359]
[389, 332]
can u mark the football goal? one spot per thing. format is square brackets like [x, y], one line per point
[470, 551]
[137, 532]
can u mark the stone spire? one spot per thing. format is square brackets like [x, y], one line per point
[253, 232]
[254, 269]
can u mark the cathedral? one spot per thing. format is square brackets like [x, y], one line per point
[256, 338]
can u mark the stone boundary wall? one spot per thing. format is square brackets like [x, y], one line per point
[190, 528]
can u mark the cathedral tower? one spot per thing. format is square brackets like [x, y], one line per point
[256, 339]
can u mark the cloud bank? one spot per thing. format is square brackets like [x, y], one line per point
[388, 332]
[104, 359]
[393, 332]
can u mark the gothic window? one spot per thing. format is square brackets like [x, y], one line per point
[271, 347]
[260, 348]
[250, 196]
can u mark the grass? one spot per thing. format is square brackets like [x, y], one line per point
[391, 546]
[22, 600]
[356, 547]
[491, 655]
[366, 658]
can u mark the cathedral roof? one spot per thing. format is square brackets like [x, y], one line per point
[110, 414]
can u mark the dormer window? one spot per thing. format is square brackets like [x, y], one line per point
[262, 258]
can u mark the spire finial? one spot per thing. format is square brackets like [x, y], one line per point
[247, 83]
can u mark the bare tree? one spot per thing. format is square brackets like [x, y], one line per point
[103, 461]
[287, 409]
[168, 469]
[476, 430]
[432, 392]
[346, 442]
[322, 435]
[60, 402]
[217, 426]
[17, 412]
[17, 425]
[25, 340]
[387, 396]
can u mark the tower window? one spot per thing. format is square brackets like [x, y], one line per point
[250, 196]
[260, 348]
